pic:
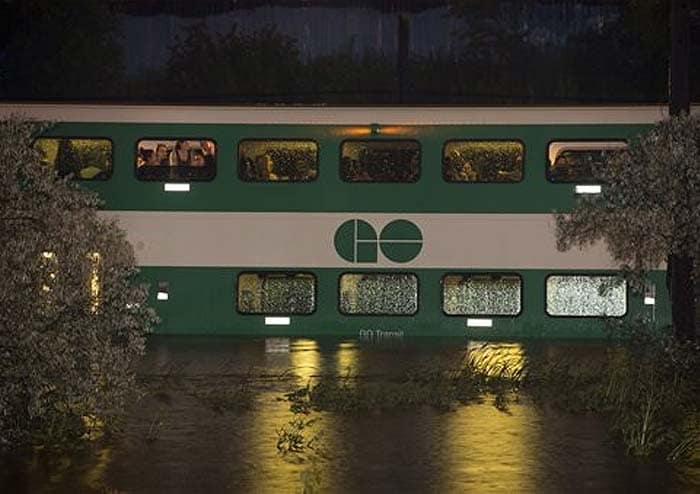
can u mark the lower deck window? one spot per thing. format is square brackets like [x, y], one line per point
[276, 293]
[586, 296]
[379, 294]
[478, 294]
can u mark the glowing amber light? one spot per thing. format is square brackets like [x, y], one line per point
[94, 283]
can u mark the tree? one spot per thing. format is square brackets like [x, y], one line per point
[648, 211]
[72, 320]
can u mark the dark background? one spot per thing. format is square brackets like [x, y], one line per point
[340, 51]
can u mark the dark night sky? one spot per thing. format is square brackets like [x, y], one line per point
[342, 52]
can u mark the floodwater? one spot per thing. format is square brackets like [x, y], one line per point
[176, 440]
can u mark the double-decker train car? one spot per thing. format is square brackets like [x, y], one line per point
[369, 222]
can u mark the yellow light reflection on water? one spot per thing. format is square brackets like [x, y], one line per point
[490, 449]
[276, 472]
[305, 358]
[347, 359]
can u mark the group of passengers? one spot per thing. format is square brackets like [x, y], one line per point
[182, 153]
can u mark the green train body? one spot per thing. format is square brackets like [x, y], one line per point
[198, 248]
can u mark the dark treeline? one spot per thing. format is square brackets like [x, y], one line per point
[351, 52]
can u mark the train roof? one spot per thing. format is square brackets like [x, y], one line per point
[329, 115]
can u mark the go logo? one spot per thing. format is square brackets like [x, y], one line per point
[399, 241]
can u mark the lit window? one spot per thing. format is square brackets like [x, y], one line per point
[483, 161]
[481, 294]
[586, 296]
[267, 160]
[276, 293]
[83, 159]
[175, 160]
[574, 161]
[379, 294]
[380, 161]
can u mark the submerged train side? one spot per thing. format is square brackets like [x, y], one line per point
[197, 248]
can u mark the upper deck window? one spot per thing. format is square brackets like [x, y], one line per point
[574, 161]
[84, 159]
[380, 161]
[175, 160]
[482, 161]
[267, 160]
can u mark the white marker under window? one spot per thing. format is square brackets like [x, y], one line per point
[588, 189]
[479, 323]
[176, 187]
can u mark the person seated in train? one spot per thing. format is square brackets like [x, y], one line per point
[198, 160]
[181, 154]
[162, 154]
[145, 157]
[265, 167]
[209, 152]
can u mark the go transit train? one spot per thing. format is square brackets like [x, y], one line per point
[370, 222]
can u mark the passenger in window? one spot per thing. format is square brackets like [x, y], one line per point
[266, 168]
[181, 155]
[161, 155]
[198, 158]
[147, 157]
[209, 152]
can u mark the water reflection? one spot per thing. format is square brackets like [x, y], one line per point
[305, 359]
[347, 358]
[490, 451]
[175, 441]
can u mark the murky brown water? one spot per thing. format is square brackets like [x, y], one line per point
[177, 443]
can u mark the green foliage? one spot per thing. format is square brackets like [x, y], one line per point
[482, 373]
[650, 204]
[72, 323]
[647, 390]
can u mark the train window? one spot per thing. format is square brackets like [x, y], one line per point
[84, 159]
[478, 294]
[586, 296]
[261, 160]
[380, 161]
[175, 160]
[574, 161]
[276, 293]
[389, 294]
[483, 161]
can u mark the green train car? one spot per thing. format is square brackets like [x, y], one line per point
[364, 222]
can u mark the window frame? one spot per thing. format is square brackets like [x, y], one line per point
[472, 182]
[419, 175]
[287, 273]
[477, 273]
[85, 138]
[383, 314]
[586, 181]
[273, 139]
[175, 180]
[586, 274]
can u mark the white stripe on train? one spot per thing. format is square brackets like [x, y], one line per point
[306, 240]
